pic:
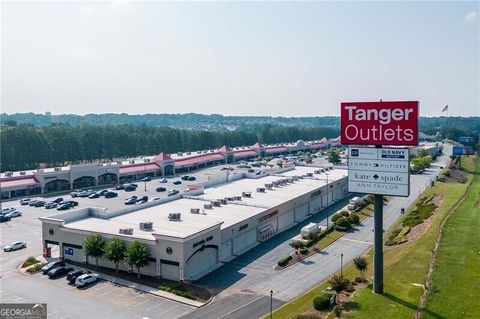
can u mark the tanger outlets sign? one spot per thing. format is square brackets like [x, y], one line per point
[383, 171]
[379, 123]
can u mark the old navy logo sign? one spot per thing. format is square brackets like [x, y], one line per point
[354, 152]
[379, 123]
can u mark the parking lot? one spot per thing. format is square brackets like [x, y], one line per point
[102, 299]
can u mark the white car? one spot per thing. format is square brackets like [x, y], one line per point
[25, 201]
[86, 279]
[15, 213]
[7, 210]
[163, 180]
[15, 246]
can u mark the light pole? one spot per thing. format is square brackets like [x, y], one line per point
[271, 303]
[341, 264]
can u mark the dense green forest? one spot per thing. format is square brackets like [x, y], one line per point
[30, 140]
[24, 146]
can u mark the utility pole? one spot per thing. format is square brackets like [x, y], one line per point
[378, 243]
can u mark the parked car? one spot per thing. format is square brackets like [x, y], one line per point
[32, 202]
[84, 194]
[119, 187]
[86, 279]
[110, 194]
[25, 201]
[4, 219]
[74, 194]
[7, 210]
[173, 192]
[58, 200]
[130, 188]
[51, 205]
[185, 178]
[251, 171]
[142, 200]
[146, 179]
[51, 265]
[94, 195]
[39, 203]
[192, 178]
[130, 200]
[177, 182]
[74, 274]
[102, 192]
[58, 272]
[15, 246]
[160, 189]
[163, 180]
[71, 203]
[63, 207]
[155, 199]
[13, 214]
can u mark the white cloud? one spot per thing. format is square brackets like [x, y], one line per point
[118, 6]
[471, 16]
[88, 11]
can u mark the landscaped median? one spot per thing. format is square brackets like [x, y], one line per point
[407, 265]
[32, 265]
[342, 221]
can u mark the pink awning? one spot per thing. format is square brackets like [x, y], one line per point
[138, 168]
[279, 149]
[18, 182]
[244, 153]
[198, 159]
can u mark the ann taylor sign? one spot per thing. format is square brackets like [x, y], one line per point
[383, 171]
[379, 123]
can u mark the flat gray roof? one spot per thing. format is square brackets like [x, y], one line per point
[226, 215]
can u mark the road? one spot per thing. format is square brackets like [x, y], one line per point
[243, 286]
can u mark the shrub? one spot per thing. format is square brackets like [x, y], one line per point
[343, 222]
[337, 310]
[304, 250]
[344, 213]
[36, 268]
[349, 287]
[321, 302]
[30, 261]
[282, 262]
[297, 244]
[358, 279]
[353, 219]
[336, 217]
[338, 283]
[179, 291]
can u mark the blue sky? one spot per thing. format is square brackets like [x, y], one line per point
[238, 58]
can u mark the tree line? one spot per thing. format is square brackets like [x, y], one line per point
[24, 146]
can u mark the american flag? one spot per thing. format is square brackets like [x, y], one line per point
[445, 108]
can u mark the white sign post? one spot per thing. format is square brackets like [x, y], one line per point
[383, 171]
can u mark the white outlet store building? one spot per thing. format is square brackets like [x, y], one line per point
[215, 226]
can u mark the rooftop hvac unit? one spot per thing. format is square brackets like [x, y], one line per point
[23, 173]
[246, 194]
[195, 210]
[222, 201]
[146, 226]
[174, 216]
[57, 169]
[261, 190]
[317, 171]
[322, 170]
[230, 199]
[146, 160]
[199, 152]
[237, 197]
[179, 153]
[8, 173]
[131, 161]
[126, 231]
[207, 206]
[309, 174]
[216, 203]
[40, 170]
[268, 186]
[290, 180]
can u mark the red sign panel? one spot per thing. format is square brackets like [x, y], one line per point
[379, 123]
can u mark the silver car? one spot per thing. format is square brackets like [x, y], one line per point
[15, 213]
[86, 279]
[15, 246]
